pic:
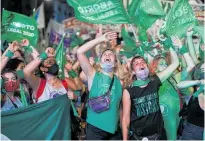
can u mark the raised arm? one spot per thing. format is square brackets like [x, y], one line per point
[189, 83]
[83, 60]
[163, 75]
[8, 54]
[191, 46]
[126, 114]
[184, 51]
[30, 68]
[74, 76]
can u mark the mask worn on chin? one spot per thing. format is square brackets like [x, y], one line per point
[11, 86]
[53, 70]
[142, 74]
[107, 66]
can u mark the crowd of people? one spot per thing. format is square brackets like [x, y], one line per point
[117, 96]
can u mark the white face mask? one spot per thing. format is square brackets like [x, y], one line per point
[142, 74]
[107, 66]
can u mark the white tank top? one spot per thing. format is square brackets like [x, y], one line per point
[49, 92]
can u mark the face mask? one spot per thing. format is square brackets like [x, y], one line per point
[11, 86]
[107, 66]
[142, 74]
[53, 70]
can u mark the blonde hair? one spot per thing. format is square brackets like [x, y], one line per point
[120, 70]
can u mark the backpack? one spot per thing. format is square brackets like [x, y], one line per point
[42, 86]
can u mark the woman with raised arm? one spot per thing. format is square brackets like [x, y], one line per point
[9, 81]
[141, 109]
[50, 86]
[168, 93]
[194, 124]
[105, 90]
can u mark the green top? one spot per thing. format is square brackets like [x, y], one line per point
[106, 120]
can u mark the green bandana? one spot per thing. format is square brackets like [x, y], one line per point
[139, 83]
[20, 74]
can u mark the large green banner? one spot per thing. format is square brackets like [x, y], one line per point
[48, 120]
[99, 11]
[145, 12]
[180, 17]
[16, 26]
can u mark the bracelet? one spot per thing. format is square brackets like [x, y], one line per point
[20, 74]
[43, 56]
[9, 54]
[72, 74]
[183, 50]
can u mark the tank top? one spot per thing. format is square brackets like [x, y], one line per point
[49, 92]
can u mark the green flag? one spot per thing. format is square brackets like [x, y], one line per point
[60, 58]
[17, 27]
[99, 11]
[48, 120]
[76, 41]
[129, 42]
[130, 45]
[180, 17]
[145, 12]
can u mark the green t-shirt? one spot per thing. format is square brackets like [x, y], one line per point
[106, 120]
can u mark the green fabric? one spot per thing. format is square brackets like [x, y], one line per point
[74, 110]
[23, 96]
[130, 45]
[9, 54]
[48, 120]
[145, 12]
[107, 120]
[72, 74]
[99, 11]
[142, 34]
[200, 90]
[76, 41]
[200, 30]
[28, 49]
[20, 74]
[180, 17]
[167, 43]
[3, 91]
[129, 42]
[201, 53]
[16, 26]
[127, 54]
[60, 58]
[139, 83]
[183, 50]
[170, 107]
[43, 56]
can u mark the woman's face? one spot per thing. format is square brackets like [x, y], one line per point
[49, 62]
[21, 66]
[9, 76]
[108, 56]
[162, 64]
[139, 64]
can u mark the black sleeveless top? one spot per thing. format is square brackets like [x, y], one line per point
[146, 118]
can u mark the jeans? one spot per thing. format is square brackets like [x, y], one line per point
[94, 133]
[192, 132]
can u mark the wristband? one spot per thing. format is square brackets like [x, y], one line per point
[183, 50]
[9, 54]
[72, 74]
[43, 56]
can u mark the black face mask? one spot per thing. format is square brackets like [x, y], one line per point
[53, 70]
